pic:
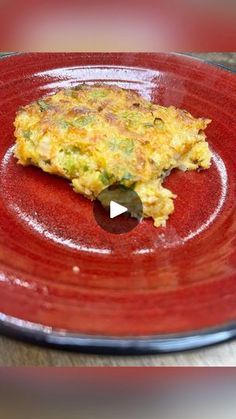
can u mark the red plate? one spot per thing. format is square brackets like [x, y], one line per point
[145, 291]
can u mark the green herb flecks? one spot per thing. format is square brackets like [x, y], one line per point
[70, 160]
[98, 94]
[148, 125]
[64, 124]
[27, 134]
[127, 145]
[130, 117]
[73, 149]
[85, 168]
[42, 105]
[127, 176]
[105, 177]
[83, 122]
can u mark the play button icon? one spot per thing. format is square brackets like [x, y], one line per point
[118, 209]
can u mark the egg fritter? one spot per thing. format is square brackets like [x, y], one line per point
[101, 135]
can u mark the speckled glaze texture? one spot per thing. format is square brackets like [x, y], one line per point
[61, 271]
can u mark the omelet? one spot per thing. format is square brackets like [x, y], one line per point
[100, 135]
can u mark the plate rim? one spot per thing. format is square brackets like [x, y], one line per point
[181, 54]
[157, 344]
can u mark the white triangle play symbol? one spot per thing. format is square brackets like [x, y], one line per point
[116, 209]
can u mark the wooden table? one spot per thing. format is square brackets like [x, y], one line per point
[13, 353]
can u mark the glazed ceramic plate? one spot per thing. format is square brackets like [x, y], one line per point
[152, 289]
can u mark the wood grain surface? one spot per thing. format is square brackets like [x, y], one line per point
[14, 353]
